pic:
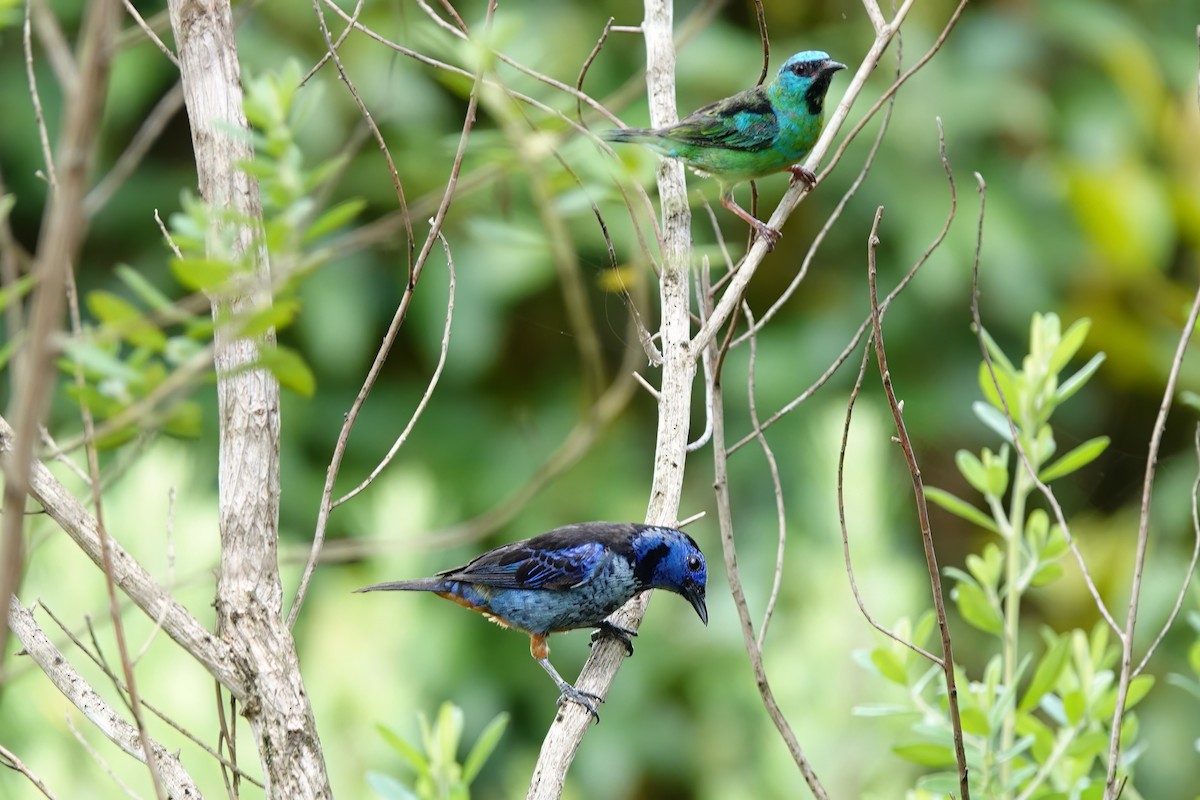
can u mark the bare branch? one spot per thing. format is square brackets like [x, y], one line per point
[679, 367]
[150, 34]
[914, 471]
[753, 646]
[732, 297]
[389, 337]
[776, 483]
[1111, 785]
[1188, 573]
[841, 505]
[428, 393]
[152, 127]
[76, 689]
[61, 506]
[63, 228]
[1046, 491]
[10, 760]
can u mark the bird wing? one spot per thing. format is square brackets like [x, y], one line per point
[521, 566]
[745, 121]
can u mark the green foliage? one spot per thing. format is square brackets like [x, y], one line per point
[137, 342]
[1035, 725]
[438, 774]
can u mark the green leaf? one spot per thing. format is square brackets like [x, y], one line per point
[484, 746]
[97, 361]
[960, 508]
[202, 274]
[409, 753]
[976, 609]
[1007, 387]
[288, 367]
[1190, 400]
[1048, 671]
[1046, 574]
[927, 755]
[993, 418]
[889, 665]
[972, 469]
[128, 322]
[388, 787]
[1069, 345]
[448, 729]
[148, 293]
[986, 569]
[13, 293]
[1074, 383]
[1138, 688]
[974, 722]
[185, 420]
[1074, 705]
[1194, 657]
[1075, 459]
[278, 315]
[995, 352]
[333, 219]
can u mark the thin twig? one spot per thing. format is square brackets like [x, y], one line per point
[1014, 436]
[751, 644]
[62, 232]
[429, 389]
[914, 471]
[150, 34]
[10, 760]
[390, 336]
[587, 63]
[841, 506]
[776, 483]
[75, 688]
[99, 661]
[1111, 788]
[1188, 574]
[760, 15]
[365, 113]
[152, 127]
[731, 299]
[887, 301]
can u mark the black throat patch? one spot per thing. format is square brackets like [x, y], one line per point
[814, 98]
[643, 570]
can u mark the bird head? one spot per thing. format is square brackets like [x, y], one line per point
[670, 559]
[805, 76]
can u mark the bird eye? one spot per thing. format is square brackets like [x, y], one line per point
[693, 563]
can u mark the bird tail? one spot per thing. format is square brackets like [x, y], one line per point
[634, 135]
[416, 585]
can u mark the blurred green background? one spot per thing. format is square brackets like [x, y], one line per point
[1080, 114]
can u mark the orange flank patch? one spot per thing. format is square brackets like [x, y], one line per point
[538, 648]
[465, 603]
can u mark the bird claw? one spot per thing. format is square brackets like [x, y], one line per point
[622, 635]
[585, 699]
[767, 234]
[804, 174]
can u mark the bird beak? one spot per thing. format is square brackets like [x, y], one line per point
[695, 595]
[834, 66]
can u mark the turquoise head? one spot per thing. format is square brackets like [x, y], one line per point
[802, 82]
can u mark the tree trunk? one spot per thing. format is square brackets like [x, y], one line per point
[249, 594]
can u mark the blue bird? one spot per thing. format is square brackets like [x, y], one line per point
[572, 577]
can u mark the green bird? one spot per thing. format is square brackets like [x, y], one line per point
[757, 132]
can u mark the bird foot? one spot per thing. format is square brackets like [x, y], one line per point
[767, 233]
[804, 174]
[585, 699]
[621, 634]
